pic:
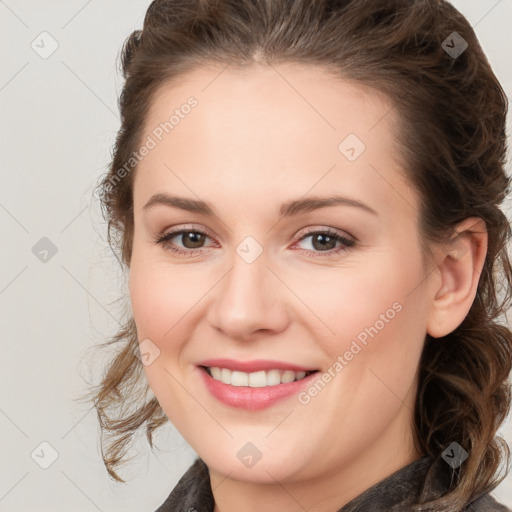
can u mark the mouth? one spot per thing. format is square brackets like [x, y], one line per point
[258, 379]
[253, 385]
[256, 390]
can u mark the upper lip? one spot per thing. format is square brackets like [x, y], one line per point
[255, 365]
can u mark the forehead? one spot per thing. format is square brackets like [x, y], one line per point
[287, 127]
[286, 94]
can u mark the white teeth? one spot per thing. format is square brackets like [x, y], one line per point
[288, 376]
[239, 379]
[256, 379]
[216, 373]
[225, 376]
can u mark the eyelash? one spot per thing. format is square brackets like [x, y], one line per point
[347, 242]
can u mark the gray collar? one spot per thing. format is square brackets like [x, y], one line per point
[422, 480]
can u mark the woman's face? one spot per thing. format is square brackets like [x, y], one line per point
[257, 158]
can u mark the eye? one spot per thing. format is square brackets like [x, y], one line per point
[190, 238]
[324, 241]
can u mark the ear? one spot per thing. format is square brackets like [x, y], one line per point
[460, 264]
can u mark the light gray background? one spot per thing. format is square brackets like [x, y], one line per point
[58, 123]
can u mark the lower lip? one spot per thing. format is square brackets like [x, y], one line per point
[252, 399]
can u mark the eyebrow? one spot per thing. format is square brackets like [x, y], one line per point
[287, 209]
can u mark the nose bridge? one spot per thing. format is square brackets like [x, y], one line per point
[248, 298]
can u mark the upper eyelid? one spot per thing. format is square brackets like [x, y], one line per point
[318, 228]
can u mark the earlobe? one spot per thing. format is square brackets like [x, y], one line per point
[460, 263]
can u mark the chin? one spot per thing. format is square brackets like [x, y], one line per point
[273, 464]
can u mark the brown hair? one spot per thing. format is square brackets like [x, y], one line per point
[452, 137]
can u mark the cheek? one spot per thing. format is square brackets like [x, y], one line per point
[150, 298]
[160, 303]
[160, 298]
[372, 328]
[374, 355]
[361, 301]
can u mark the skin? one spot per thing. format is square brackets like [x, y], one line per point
[256, 139]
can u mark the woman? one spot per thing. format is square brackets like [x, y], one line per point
[307, 199]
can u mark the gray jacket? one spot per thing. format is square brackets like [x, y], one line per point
[420, 480]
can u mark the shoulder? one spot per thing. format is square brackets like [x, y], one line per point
[487, 503]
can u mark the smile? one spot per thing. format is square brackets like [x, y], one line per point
[258, 379]
[255, 390]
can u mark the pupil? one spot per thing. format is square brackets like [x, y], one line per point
[319, 237]
[194, 238]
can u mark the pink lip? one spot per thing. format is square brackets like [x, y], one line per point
[252, 399]
[253, 366]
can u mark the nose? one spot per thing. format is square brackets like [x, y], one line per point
[249, 301]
